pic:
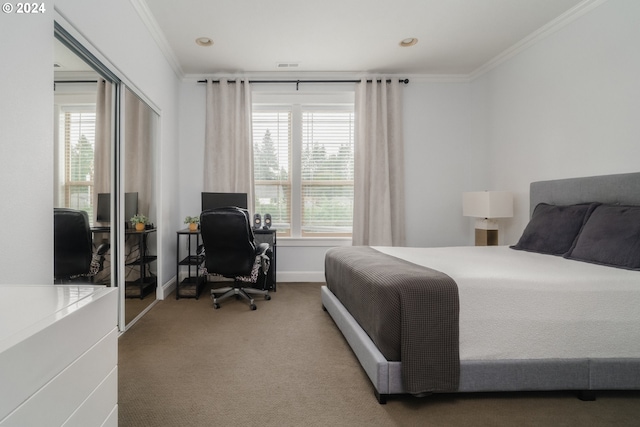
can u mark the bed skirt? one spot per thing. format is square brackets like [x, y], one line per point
[582, 375]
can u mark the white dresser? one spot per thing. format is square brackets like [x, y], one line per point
[58, 356]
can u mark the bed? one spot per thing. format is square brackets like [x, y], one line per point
[557, 311]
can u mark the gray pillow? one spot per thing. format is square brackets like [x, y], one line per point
[610, 237]
[553, 228]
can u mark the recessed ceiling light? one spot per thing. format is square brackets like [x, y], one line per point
[287, 65]
[409, 42]
[204, 41]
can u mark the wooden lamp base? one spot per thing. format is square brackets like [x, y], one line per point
[486, 237]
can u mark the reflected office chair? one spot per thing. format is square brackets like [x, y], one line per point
[231, 251]
[73, 257]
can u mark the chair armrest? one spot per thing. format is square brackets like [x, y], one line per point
[261, 248]
[103, 248]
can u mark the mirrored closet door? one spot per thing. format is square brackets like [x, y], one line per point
[105, 145]
[83, 158]
[140, 123]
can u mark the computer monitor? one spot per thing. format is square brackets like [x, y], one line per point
[103, 209]
[130, 206]
[221, 200]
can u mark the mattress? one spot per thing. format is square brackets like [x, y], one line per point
[523, 305]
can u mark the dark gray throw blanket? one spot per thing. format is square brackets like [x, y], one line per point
[410, 312]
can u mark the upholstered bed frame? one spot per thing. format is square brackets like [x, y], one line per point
[583, 375]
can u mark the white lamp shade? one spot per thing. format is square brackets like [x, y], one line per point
[487, 204]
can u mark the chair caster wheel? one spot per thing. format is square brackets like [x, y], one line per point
[216, 306]
[253, 307]
[267, 297]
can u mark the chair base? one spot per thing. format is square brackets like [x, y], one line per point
[245, 293]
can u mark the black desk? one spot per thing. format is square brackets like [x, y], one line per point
[146, 283]
[191, 285]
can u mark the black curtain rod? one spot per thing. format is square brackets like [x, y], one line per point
[297, 82]
[75, 81]
[55, 82]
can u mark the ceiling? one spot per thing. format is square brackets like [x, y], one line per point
[65, 61]
[455, 37]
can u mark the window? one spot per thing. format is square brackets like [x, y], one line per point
[78, 129]
[303, 167]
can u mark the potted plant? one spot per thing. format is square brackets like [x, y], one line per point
[193, 222]
[139, 221]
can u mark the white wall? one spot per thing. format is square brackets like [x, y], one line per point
[441, 162]
[191, 146]
[568, 106]
[26, 143]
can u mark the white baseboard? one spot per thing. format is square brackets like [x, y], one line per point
[282, 277]
[167, 288]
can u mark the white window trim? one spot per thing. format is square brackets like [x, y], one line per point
[295, 100]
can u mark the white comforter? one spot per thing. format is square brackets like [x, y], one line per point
[521, 305]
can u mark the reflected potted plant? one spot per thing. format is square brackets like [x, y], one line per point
[193, 222]
[139, 221]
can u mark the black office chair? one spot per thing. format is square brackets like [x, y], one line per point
[231, 251]
[74, 258]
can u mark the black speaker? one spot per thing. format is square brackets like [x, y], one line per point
[257, 221]
[267, 220]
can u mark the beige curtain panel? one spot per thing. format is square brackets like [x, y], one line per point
[103, 135]
[378, 217]
[138, 151]
[228, 151]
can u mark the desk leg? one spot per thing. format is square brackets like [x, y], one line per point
[143, 273]
[177, 266]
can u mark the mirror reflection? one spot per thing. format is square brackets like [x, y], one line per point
[84, 204]
[140, 132]
[82, 153]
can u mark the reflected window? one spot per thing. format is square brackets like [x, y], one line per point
[78, 133]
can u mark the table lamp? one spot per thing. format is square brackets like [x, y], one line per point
[486, 206]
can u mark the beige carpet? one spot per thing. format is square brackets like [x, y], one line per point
[286, 364]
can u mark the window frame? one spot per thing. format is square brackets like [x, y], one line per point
[297, 102]
[289, 183]
[67, 184]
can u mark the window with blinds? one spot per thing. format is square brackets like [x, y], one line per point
[303, 168]
[78, 126]
[327, 173]
[271, 166]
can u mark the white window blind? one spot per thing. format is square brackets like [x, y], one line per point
[79, 141]
[303, 168]
[327, 172]
[272, 164]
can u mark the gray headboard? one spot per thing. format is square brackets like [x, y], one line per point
[623, 189]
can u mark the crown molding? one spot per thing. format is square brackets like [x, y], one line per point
[538, 35]
[438, 78]
[158, 35]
